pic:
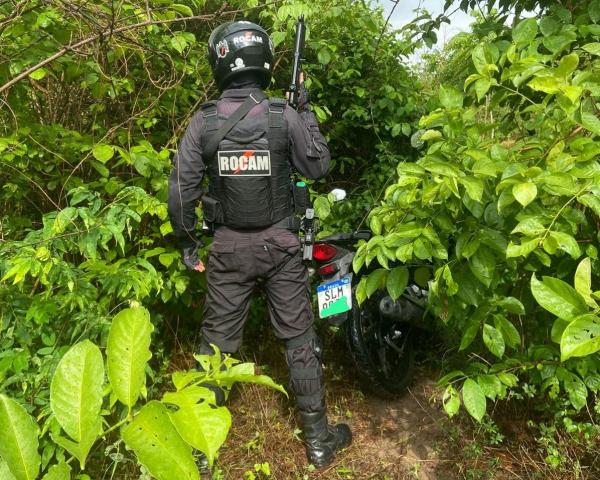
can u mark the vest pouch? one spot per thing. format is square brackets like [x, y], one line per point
[301, 197]
[245, 172]
[211, 210]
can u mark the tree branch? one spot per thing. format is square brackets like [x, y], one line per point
[93, 38]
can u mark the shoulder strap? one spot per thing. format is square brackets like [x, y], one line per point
[213, 144]
[276, 108]
[209, 115]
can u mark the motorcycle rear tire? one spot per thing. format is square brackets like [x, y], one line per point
[386, 374]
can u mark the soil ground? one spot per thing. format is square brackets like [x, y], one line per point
[407, 438]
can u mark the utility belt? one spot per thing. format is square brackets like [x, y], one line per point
[213, 215]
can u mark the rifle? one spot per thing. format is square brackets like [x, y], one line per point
[296, 69]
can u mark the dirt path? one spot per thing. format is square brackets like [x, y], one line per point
[401, 439]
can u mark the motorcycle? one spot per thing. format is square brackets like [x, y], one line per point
[380, 333]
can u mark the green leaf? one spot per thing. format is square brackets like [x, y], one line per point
[203, 427]
[158, 446]
[483, 265]
[590, 122]
[103, 153]
[525, 31]
[567, 243]
[550, 85]
[4, 471]
[451, 401]
[450, 376]
[397, 281]
[189, 396]
[361, 291]
[472, 328]
[558, 297]
[493, 340]
[581, 337]
[482, 87]
[549, 26]
[473, 186]
[62, 471]
[376, 280]
[593, 48]
[583, 281]
[474, 399]
[479, 60]
[525, 193]
[568, 64]
[324, 56]
[508, 379]
[491, 386]
[512, 305]
[431, 135]
[450, 97]
[231, 376]
[594, 10]
[179, 42]
[128, 352]
[558, 327]
[508, 330]
[590, 201]
[76, 395]
[522, 250]
[577, 391]
[322, 207]
[18, 440]
[183, 9]
[38, 74]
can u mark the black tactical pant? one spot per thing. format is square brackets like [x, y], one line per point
[237, 260]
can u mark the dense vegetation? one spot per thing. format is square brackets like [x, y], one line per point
[497, 185]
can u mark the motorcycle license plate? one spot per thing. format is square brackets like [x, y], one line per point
[335, 297]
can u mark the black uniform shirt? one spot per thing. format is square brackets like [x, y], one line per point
[309, 154]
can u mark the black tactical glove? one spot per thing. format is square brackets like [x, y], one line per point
[303, 99]
[189, 254]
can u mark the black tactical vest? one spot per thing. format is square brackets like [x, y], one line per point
[249, 176]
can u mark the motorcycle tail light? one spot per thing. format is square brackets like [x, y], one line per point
[328, 269]
[323, 252]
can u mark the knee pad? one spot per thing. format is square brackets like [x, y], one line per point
[303, 356]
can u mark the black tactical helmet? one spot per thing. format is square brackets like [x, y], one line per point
[237, 47]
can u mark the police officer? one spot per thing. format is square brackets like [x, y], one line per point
[247, 145]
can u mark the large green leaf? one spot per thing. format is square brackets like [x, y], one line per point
[158, 446]
[525, 193]
[62, 471]
[525, 31]
[4, 471]
[450, 97]
[493, 340]
[558, 297]
[576, 390]
[397, 281]
[451, 401]
[128, 351]
[508, 330]
[474, 399]
[583, 281]
[581, 337]
[18, 440]
[204, 427]
[76, 395]
[376, 280]
[491, 386]
[483, 265]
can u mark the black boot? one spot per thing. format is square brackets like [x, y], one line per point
[322, 440]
